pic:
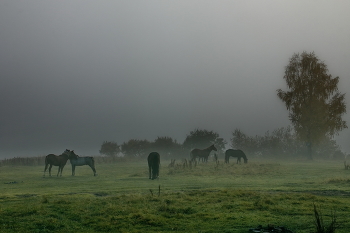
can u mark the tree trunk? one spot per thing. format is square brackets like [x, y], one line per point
[309, 150]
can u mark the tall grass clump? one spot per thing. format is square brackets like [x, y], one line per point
[320, 226]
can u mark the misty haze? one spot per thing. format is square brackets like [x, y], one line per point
[164, 116]
[74, 74]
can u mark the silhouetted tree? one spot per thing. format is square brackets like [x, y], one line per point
[314, 103]
[167, 147]
[136, 148]
[201, 139]
[281, 142]
[109, 149]
[328, 149]
[240, 140]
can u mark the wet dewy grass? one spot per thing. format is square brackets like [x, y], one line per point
[230, 198]
[187, 211]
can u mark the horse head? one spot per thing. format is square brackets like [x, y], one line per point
[72, 155]
[213, 147]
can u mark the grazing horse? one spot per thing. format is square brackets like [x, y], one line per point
[55, 160]
[153, 165]
[204, 154]
[235, 153]
[75, 160]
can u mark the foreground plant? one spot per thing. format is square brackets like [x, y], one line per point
[320, 226]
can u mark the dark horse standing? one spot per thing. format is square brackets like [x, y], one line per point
[55, 160]
[153, 165]
[204, 154]
[235, 153]
[75, 160]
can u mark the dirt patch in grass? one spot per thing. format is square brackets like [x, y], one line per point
[337, 193]
[331, 193]
[26, 195]
[338, 181]
[101, 194]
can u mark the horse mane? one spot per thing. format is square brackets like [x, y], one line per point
[65, 155]
[210, 147]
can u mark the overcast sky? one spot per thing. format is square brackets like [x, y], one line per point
[76, 73]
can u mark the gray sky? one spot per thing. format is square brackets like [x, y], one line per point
[76, 73]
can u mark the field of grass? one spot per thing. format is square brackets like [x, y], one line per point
[206, 198]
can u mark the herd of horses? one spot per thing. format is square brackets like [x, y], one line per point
[153, 160]
[202, 154]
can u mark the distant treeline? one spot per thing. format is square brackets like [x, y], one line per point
[280, 143]
[27, 161]
[283, 143]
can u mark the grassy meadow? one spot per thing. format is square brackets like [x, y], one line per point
[207, 198]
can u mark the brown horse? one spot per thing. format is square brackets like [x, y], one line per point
[204, 154]
[55, 160]
[153, 165]
[235, 153]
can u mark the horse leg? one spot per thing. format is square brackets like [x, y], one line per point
[157, 165]
[93, 168]
[46, 165]
[62, 170]
[194, 159]
[155, 171]
[152, 173]
[50, 169]
[73, 170]
[59, 168]
[149, 171]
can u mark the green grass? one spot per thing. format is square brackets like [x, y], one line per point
[207, 198]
